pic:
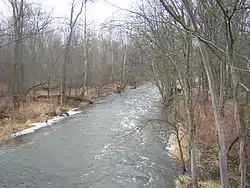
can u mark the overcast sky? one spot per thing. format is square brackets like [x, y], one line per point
[98, 12]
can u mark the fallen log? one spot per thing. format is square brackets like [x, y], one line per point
[47, 97]
[35, 86]
[76, 99]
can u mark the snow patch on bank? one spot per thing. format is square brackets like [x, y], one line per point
[170, 146]
[39, 125]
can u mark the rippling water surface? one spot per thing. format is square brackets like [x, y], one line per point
[97, 148]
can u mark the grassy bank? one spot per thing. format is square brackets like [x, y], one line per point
[33, 111]
[30, 112]
[40, 109]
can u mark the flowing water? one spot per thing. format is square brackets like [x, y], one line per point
[97, 148]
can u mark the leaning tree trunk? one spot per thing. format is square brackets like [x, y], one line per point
[216, 112]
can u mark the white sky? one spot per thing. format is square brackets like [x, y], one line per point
[98, 12]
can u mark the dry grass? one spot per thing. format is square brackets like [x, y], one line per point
[35, 111]
[10, 127]
[210, 164]
[30, 112]
[184, 182]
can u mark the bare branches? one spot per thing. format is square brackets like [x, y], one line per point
[194, 32]
[27, 35]
[35, 86]
[72, 19]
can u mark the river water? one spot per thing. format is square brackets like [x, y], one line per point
[97, 148]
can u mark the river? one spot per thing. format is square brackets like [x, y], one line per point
[93, 149]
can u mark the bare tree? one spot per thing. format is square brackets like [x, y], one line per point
[17, 64]
[86, 50]
[72, 24]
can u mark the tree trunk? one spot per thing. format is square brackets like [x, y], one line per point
[188, 98]
[49, 86]
[85, 49]
[181, 152]
[242, 136]
[72, 24]
[124, 65]
[112, 61]
[17, 74]
[64, 71]
[204, 94]
[222, 86]
[191, 126]
[216, 112]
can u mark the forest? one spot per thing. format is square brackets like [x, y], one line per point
[59, 63]
[195, 52]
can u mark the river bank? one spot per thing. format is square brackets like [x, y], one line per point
[93, 148]
[42, 110]
[207, 148]
[37, 112]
